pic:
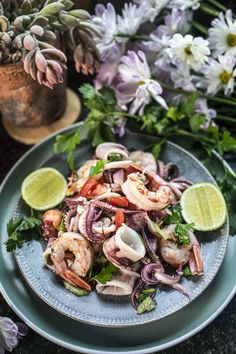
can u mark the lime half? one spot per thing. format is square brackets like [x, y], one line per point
[204, 205]
[44, 188]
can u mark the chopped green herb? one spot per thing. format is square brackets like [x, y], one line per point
[95, 170]
[176, 215]
[181, 231]
[144, 294]
[74, 289]
[115, 157]
[62, 226]
[187, 271]
[146, 306]
[20, 230]
[106, 273]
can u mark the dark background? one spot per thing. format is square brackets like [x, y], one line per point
[218, 337]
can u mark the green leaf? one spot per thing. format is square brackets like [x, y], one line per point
[20, 230]
[157, 148]
[97, 139]
[115, 157]
[187, 271]
[67, 144]
[181, 231]
[95, 170]
[147, 305]
[106, 273]
[176, 215]
[88, 91]
[108, 96]
[195, 122]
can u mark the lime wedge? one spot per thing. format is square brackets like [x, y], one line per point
[44, 188]
[204, 205]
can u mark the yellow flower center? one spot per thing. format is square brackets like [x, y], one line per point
[225, 76]
[231, 40]
[188, 50]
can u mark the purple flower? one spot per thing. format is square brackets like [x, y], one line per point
[135, 84]
[109, 68]
[176, 21]
[117, 125]
[202, 108]
[10, 333]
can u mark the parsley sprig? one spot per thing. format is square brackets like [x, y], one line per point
[181, 229]
[20, 230]
[106, 273]
[95, 170]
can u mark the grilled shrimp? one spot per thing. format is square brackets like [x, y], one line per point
[83, 172]
[51, 222]
[71, 255]
[144, 159]
[136, 192]
[174, 254]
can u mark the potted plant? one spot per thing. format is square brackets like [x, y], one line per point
[32, 61]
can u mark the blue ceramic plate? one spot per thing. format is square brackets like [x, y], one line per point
[93, 309]
[84, 338]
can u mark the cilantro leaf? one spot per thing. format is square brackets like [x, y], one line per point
[146, 305]
[181, 231]
[144, 294]
[187, 271]
[106, 273]
[20, 230]
[95, 170]
[115, 157]
[67, 143]
[88, 91]
[176, 215]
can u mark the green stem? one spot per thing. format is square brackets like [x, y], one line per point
[200, 27]
[194, 136]
[133, 37]
[209, 10]
[225, 119]
[124, 114]
[210, 98]
[217, 5]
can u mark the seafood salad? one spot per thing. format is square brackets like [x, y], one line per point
[120, 231]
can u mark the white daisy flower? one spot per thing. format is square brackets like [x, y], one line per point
[131, 19]
[222, 34]
[188, 50]
[152, 8]
[219, 75]
[184, 4]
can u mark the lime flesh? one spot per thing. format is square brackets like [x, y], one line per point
[44, 188]
[204, 205]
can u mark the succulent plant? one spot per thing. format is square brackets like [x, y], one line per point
[30, 31]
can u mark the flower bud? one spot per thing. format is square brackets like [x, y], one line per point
[81, 14]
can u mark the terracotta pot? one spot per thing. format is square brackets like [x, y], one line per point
[24, 102]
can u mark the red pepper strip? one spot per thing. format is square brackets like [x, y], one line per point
[119, 201]
[120, 218]
[88, 186]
